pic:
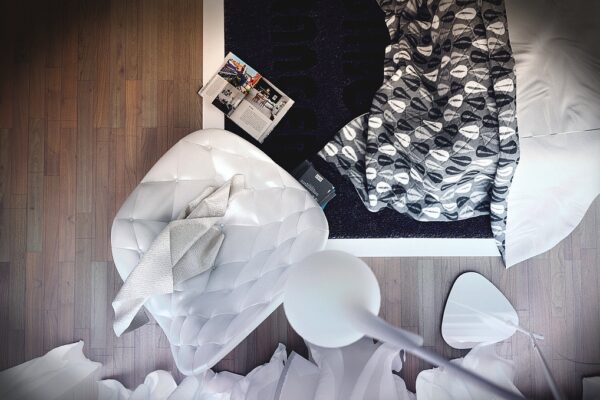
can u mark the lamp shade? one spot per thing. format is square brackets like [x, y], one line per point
[321, 293]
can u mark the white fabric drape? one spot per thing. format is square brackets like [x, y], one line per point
[437, 384]
[557, 180]
[260, 384]
[557, 63]
[361, 371]
[49, 377]
[186, 247]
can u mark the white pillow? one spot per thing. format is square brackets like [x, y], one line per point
[555, 44]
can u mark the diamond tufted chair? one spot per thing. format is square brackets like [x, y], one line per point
[267, 229]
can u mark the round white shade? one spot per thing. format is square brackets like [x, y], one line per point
[323, 290]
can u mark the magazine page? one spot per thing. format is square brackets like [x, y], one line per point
[261, 109]
[248, 99]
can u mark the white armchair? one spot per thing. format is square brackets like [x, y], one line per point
[267, 229]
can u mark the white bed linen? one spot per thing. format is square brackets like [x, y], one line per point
[58, 374]
[360, 371]
[557, 180]
[259, 384]
[555, 45]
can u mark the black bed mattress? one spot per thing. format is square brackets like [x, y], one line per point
[327, 55]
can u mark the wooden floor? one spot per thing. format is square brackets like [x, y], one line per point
[91, 94]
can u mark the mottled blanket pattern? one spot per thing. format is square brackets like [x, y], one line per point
[440, 142]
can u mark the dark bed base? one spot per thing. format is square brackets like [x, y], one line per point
[327, 55]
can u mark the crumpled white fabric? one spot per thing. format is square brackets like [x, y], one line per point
[48, 377]
[186, 247]
[259, 384]
[438, 384]
[361, 371]
[557, 63]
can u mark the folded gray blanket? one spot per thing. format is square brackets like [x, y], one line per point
[186, 247]
[440, 141]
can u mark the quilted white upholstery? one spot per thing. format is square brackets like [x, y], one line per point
[268, 228]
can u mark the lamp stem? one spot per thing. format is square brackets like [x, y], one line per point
[377, 328]
[556, 393]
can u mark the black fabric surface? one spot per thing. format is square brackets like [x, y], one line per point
[327, 55]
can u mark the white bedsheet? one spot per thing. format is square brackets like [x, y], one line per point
[557, 55]
[557, 180]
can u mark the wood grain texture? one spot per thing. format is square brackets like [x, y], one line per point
[34, 304]
[91, 95]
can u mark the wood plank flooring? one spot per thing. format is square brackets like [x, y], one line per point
[91, 94]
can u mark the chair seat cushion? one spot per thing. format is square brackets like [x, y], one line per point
[267, 229]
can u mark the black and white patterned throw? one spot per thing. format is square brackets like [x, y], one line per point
[440, 141]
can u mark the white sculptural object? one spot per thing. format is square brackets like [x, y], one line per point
[272, 225]
[332, 299]
[477, 313]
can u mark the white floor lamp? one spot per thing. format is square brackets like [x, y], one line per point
[332, 300]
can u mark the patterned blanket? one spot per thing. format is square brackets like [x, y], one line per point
[440, 142]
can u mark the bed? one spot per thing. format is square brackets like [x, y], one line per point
[557, 67]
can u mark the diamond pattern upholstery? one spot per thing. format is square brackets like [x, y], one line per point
[267, 229]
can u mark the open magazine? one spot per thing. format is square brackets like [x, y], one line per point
[248, 99]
